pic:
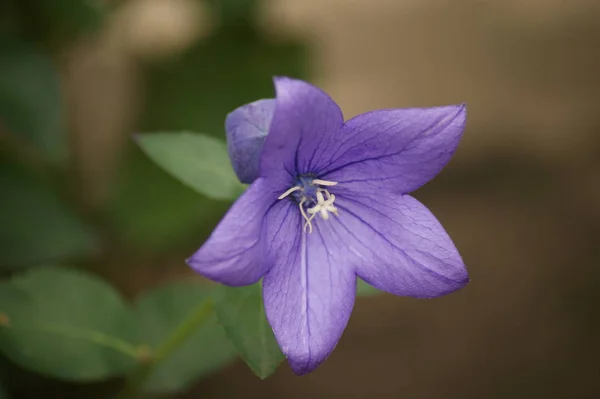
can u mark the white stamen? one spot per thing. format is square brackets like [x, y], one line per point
[324, 203]
[288, 192]
[320, 182]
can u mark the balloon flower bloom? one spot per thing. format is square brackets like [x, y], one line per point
[328, 202]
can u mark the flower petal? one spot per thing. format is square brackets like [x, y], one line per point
[232, 255]
[395, 149]
[308, 295]
[394, 243]
[305, 121]
[246, 128]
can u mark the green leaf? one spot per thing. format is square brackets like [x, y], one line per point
[66, 324]
[3, 394]
[199, 161]
[30, 99]
[35, 226]
[364, 289]
[241, 312]
[207, 350]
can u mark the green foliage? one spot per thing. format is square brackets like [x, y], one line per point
[35, 225]
[66, 324]
[30, 98]
[241, 312]
[159, 312]
[73, 326]
[199, 161]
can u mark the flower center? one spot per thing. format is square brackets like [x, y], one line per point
[310, 194]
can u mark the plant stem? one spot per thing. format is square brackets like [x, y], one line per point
[181, 333]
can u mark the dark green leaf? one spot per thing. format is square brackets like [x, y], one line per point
[364, 289]
[207, 350]
[242, 314]
[30, 98]
[199, 161]
[35, 226]
[66, 324]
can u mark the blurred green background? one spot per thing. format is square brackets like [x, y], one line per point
[521, 199]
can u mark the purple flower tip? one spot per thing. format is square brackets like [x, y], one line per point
[246, 128]
[329, 202]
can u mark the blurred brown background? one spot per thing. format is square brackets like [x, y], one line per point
[521, 198]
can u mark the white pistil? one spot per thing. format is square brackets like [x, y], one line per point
[324, 204]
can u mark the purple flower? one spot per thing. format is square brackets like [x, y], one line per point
[329, 203]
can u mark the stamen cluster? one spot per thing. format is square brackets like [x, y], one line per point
[323, 200]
